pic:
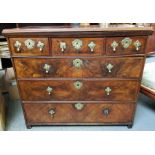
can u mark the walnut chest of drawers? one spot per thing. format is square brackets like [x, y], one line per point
[78, 76]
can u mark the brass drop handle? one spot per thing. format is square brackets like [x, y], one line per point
[52, 112]
[63, 46]
[17, 45]
[109, 67]
[114, 45]
[91, 45]
[79, 106]
[47, 68]
[77, 63]
[106, 111]
[49, 90]
[40, 45]
[78, 84]
[137, 44]
[107, 90]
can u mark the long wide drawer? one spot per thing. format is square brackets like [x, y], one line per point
[40, 113]
[75, 90]
[82, 67]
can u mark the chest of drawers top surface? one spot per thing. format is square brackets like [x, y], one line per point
[92, 30]
[78, 75]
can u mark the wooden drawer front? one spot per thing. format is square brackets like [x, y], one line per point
[71, 113]
[125, 45]
[78, 46]
[74, 90]
[29, 46]
[89, 68]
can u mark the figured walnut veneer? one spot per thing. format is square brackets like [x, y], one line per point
[67, 82]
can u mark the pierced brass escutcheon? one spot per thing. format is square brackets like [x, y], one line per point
[49, 90]
[40, 45]
[79, 106]
[91, 45]
[63, 46]
[77, 44]
[29, 43]
[108, 90]
[109, 67]
[17, 45]
[126, 42]
[52, 112]
[77, 63]
[78, 84]
[114, 44]
[137, 44]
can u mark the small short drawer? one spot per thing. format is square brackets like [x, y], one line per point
[29, 46]
[78, 46]
[78, 90]
[125, 45]
[76, 113]
[79, 67]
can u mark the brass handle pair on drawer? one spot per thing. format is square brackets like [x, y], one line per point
[79, 107]
[30, 44]
[78, 64]
[77, 44]
[78, 85]
[126, 42]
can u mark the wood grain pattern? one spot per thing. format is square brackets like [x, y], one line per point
[64, 90]
[91, 113]
[150, 48]
[94, 31]
[25, 51]
[91, 68]
[123, 80]
[84, 50]
[120, 50]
